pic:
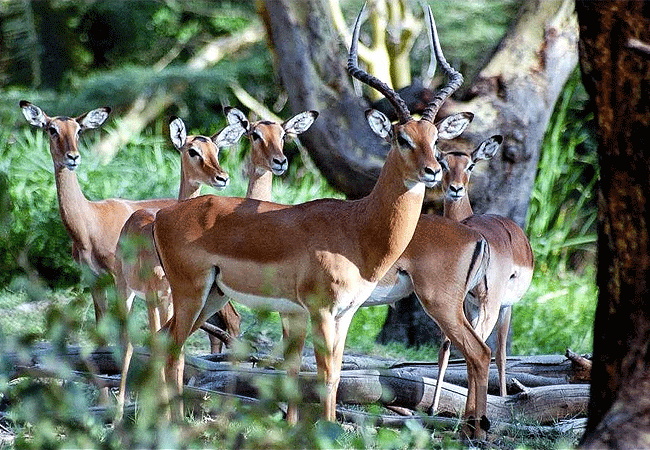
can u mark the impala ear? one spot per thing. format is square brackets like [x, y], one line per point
[235, 116]
[177, 132]
[452, 126]
[488, 148]
[34, 115]
[300, 122]
[229, 135]
[94, 118]
[379, 123]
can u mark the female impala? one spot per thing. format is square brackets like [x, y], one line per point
[94, 227]
[137, 267]
[266, 159]
[322, 258]
[511, 263]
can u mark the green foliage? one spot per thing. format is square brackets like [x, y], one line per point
[558, 310]
[562, 212]
[556, 313]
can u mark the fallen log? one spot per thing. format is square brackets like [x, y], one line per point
[402, 386]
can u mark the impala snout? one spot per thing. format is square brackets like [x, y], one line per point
[279, 165]
[220, 181]
[455, 192]
[72, 160]
[431, 177]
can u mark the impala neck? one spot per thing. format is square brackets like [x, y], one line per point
[457, 210]
[260, 184]
[188, 189]
[73, 205]
[389, 215]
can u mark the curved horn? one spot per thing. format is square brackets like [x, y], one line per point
[393, 97]
[455, 79]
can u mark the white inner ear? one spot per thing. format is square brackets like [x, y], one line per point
[379, 123]
[229, 135]
[177, 132]
[235, 116]
[94, 118]
[486, 149]
[34, 115]
[299, 123]
[452, 126]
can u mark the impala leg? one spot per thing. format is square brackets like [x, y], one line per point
[477, 355]
[125, 300]
[294, 332]
[323, 334]
[443, 361]
[165, 308]
[98, 294]
[181, 325]
[341, 333]
[501, 352]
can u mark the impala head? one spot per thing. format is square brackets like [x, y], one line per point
[64, 131]
[416, 140]
[200, 154]
[457, 167]
[268, 137]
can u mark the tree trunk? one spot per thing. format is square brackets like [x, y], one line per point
[615, 59]
[514, 95]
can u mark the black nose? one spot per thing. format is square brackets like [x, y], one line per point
[279, 161]
[430, 171]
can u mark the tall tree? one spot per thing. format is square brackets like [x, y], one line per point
[513, 95]
[615, 61]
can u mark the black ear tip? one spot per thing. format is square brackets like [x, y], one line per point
[498, 138]
[226, 109]
[172, 118]
[24, 103]
[315, 113]
[107, 109]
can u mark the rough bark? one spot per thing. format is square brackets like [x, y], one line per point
[615, 61]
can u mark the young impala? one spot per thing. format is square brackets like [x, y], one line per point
[266, 158]
[137, 267]
[511, 262]
[320, 259]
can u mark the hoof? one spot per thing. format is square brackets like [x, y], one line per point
[475, 429]
[485, 423]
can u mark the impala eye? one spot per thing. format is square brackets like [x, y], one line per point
[470, 167]
[193, 153]
[255, 135]
[443, 164]
[404, 141]
[52, 131]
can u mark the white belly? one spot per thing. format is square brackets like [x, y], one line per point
[262, 303]
[390, 293]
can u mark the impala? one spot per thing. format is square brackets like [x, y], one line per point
[93, 226]
[266, 158]
[320, 259]
[137, 267]
[511, 259]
